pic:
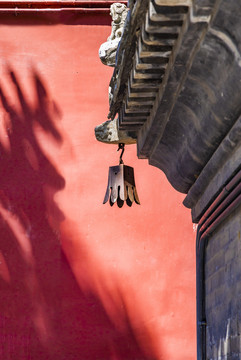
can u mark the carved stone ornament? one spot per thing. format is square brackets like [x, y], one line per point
[107, 51]
[108, 133]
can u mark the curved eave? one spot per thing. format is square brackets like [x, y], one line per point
[181, 91]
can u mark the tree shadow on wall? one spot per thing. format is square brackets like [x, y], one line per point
[44, 315]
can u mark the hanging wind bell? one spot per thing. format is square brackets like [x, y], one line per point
[121, 184]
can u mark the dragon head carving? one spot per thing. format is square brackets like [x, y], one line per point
[107, 51]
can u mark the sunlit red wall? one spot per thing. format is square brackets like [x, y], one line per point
[81, 280]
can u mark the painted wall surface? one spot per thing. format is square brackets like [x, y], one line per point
[80, 280]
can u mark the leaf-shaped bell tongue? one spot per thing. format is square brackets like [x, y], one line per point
[121, 184]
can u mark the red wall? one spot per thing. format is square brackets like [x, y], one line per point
[79, 279]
